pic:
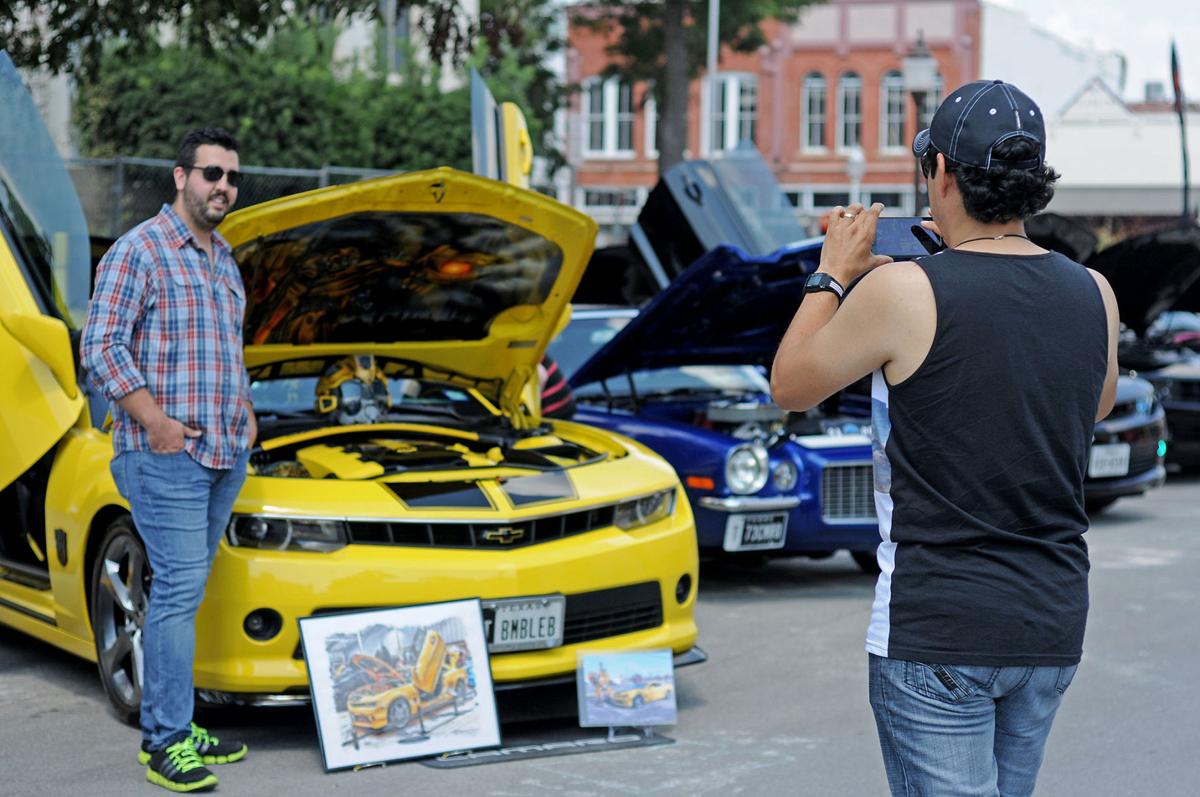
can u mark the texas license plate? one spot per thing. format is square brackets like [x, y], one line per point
[756, 532]
[524, 623]
[1109, 459]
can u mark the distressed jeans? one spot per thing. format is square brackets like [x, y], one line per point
[180, 509]
[964, 731]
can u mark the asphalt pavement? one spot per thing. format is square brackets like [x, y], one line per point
[780, 708]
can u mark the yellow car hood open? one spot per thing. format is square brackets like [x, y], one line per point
[462, 274]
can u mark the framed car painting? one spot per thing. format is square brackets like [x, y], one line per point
[626, 690]
[392, 684]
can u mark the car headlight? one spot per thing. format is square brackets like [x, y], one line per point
[786, 476]
[746, 469]
[286, 534]
[645, 510]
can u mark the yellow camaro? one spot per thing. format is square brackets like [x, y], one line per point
[393, 332]
[636, 697]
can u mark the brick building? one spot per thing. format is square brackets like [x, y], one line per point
[817, 90]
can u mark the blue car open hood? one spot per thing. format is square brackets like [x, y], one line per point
[727, 308]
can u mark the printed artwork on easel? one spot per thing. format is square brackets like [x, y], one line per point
[400, 683]
[626, 690]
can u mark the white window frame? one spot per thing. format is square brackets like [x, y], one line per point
[814, 81]
[611, 118]
[893, 110]
[846, 81]
[729, 99]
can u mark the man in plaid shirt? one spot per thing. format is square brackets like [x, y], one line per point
[163, 344]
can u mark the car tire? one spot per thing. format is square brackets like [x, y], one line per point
[399, 714]
[866, 561]
[120, 592]
[1097, 505]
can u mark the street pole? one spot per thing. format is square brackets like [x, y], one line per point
[714, 16]
[919, 103]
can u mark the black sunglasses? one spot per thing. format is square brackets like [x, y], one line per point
[213, 174]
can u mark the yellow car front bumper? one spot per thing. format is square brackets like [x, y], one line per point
[299, 584]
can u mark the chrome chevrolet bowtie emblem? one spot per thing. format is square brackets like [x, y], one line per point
[504, 535]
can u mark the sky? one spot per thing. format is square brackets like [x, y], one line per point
[1139, 29]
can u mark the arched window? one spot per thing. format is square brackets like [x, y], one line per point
[813, 102]
[849, 123]
[608, 117]
[892, 105]
[735, 114]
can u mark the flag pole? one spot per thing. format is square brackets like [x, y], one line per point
[1181, 111]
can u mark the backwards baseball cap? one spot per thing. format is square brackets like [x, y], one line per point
[973, 119]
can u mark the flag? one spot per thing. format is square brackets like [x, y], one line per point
[1175, 81]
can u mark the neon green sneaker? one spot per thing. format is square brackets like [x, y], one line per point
[177, 767]
[210, 749]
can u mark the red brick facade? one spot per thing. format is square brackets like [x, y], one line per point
[837, 41]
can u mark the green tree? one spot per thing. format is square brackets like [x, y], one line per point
[285, 101]
[665, 41]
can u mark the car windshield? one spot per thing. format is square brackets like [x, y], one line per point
[40, 214]
[1172, 322]
[586, 334]
[761, 203]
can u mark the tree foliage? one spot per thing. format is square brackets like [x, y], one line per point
[285, 102]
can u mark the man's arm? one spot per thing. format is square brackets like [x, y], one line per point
[122, 287]
[1108, 396]
[826, 348]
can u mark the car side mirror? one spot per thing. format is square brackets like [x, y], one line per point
[50, 341]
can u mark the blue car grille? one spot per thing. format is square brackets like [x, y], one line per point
[848, 492]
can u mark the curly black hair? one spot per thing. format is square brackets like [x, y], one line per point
[186, 155]
[1000, 194]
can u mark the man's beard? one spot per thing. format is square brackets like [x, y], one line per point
[197, 207]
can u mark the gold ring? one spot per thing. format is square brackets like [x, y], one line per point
[847, 215]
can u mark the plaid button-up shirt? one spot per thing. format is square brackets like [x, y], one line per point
[164, 318]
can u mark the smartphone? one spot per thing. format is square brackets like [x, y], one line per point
[903, 238]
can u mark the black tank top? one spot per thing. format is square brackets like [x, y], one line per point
[980, 458]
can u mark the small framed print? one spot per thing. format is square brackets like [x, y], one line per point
[626, 690]
[393, 684]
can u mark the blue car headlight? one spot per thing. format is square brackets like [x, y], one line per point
[286, 534]
[746, 469]
[645, 510]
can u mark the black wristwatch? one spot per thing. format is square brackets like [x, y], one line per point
[819, 281]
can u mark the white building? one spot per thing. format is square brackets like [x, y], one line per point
[1120, 159]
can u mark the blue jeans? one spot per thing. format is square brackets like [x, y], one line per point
[964, 731]
[180, 509]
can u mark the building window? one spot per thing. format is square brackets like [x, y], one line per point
[829, 199]
[893, 200]
[892, 104]
[608, 112]
[849, 111]
[933, 99]
[610, 197]
[814, 111]
[735, 118]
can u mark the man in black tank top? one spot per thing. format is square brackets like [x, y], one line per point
[992, 361]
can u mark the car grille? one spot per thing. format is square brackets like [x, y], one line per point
[588, 615]
[1186, 389]
[492, 535]
[848, 492]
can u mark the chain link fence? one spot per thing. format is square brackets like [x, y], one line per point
[118, 193]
